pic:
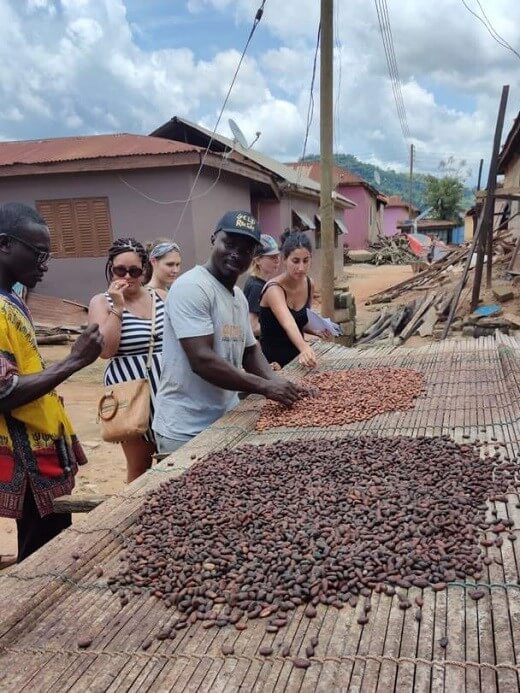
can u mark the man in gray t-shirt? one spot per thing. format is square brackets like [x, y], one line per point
[210, 352]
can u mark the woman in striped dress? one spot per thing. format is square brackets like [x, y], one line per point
[124, 316]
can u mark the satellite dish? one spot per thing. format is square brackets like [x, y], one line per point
[377, 177]
[238, 135]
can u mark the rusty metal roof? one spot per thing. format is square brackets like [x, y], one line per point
[397, 201]
[87, 147]
[340, 176]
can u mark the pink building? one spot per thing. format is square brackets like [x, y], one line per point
[364, 222]
[397, 211]
[96, 188]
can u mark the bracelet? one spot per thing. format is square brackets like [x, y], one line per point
[116, 312]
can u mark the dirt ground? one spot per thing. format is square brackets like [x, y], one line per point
[105, 473]
[365, 280]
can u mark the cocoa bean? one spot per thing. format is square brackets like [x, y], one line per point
[310, 611]
[84, 642]
[265, 650]
[301, 663]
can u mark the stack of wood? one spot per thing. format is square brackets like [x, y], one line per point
[48, 334]
[391, 251]
[395, 326]
[418, 314]
[427, 279]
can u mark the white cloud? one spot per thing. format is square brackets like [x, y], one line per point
[73, 66]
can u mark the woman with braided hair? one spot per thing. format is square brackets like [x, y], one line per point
[124, 315]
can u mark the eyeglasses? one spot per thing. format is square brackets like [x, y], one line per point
[133, 271]
[41, 256]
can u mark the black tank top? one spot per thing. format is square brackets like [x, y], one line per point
[274, 341]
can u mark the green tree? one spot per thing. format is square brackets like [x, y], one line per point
[444, 196]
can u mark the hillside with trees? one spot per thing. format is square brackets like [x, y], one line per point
[392, 182]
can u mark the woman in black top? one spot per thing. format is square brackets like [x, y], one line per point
[266, 264]
[284, 303]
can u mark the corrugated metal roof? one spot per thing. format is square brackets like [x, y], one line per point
[283, 171]
[340, 176]
[428, 224]
[266, 161]
[397, 201]
[88, 147]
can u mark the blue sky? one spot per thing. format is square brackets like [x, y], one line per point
[71, 67]
[160, 24]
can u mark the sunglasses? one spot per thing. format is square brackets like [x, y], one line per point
[121, 271]
[41, 256]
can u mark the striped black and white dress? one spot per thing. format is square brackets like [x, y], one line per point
[130, 361]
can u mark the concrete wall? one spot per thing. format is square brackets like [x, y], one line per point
[357, 219]
[268, 213]
[392, 216]
[310, 208]
[232, 192]
[131, 214]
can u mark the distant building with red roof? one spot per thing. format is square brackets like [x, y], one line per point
[364, 222]
[397, 211]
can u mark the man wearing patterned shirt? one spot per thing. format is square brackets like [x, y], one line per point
[39, 453]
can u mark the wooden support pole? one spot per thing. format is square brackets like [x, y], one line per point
[410, 196]
[486, 238]
[480, 173]
[326, 155]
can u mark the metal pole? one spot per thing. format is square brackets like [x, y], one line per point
[326, 155]
[486, 236]
[411, 181]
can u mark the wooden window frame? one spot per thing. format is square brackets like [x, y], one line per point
[80, 227]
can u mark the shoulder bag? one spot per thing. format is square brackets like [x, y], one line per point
[124, 409]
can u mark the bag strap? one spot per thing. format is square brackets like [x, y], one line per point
[152, 332]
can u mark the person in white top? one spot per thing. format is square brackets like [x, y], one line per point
[210, 353]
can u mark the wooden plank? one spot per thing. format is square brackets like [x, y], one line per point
[430, 319]
[380, 616]
[76, 503]
[455, 679]
[388, 670]
[409, 644]
[423, 672]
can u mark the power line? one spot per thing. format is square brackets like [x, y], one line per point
[176, 202]
[310, 107]
[490, 28]
[256, 22]
[393, 71]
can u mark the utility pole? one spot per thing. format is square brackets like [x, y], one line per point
[411, 181]
[485, 236]
[326, 156]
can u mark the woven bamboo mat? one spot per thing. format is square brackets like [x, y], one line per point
[472, 389]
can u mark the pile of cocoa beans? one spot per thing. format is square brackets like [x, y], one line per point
[342, 397]
[257, 531]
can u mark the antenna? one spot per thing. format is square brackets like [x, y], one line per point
[238, 135]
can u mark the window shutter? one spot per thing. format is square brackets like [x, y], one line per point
[79, 227]
[67, 226]
[86, 232]
[102, 224]
[48, 212]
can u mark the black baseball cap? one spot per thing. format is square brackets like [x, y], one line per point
[240, 222]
